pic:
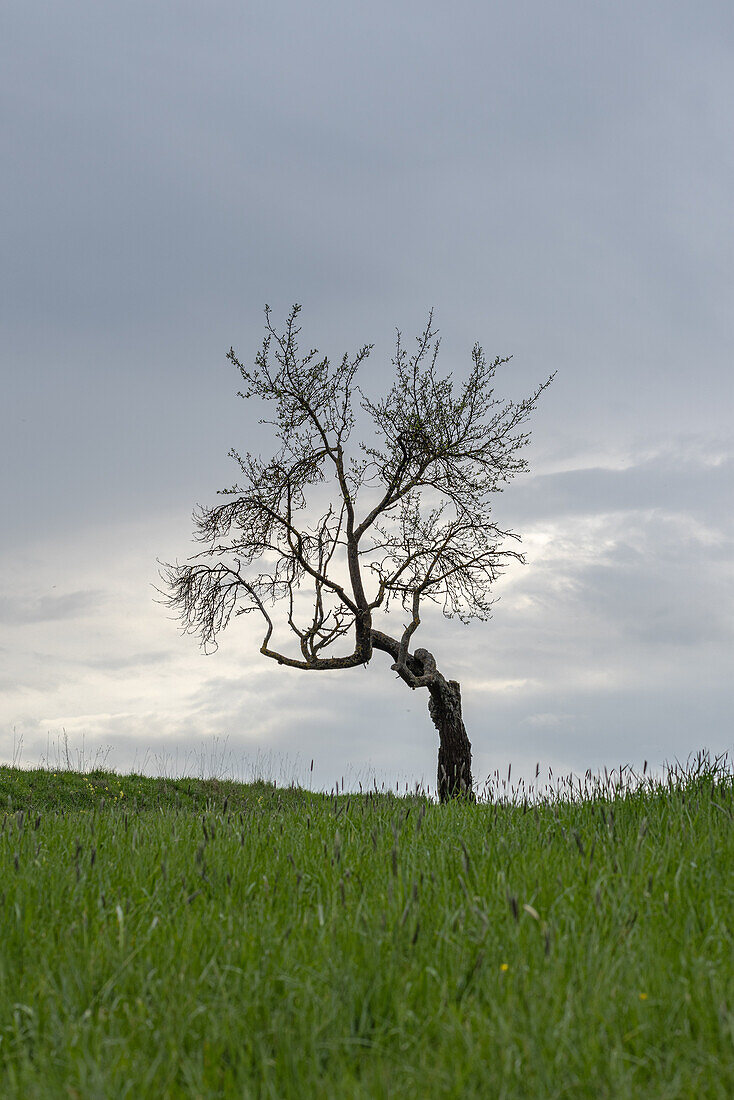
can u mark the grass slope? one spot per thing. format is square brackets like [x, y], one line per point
[167, 938]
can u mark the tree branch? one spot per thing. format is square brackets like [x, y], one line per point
[457, 448]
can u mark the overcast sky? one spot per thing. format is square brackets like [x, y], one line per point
[555, 179]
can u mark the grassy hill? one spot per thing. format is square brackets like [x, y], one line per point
[176, 938]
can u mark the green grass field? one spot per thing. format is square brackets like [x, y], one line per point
[164, 938]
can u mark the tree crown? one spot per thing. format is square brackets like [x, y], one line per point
[339, 536]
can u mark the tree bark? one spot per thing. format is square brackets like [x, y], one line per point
[454, 750]
[444, 706]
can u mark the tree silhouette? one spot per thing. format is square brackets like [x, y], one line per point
[337, 538]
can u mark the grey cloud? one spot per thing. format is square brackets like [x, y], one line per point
[17, 611]
[684, 606]
[650, 582]
[172, 171]
[126, 662]
[668, 482]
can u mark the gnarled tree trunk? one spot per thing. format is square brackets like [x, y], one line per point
[454, 749]
[444, 705]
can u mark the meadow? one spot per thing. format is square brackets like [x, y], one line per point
[190, 938]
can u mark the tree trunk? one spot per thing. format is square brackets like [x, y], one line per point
[444, 706]
[454, 749]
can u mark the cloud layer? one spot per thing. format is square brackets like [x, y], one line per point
[612, 645]
[554, 179]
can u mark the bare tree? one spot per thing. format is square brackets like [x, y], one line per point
[337, 539]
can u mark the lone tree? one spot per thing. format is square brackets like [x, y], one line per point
[406, 518]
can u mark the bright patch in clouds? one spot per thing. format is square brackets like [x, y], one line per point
[620, 620]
